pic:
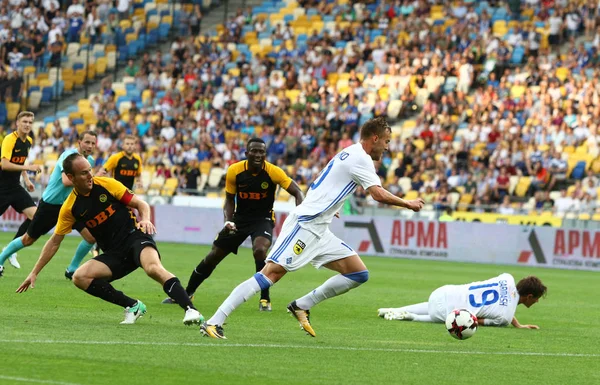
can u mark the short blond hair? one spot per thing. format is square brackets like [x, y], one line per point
[25, 114]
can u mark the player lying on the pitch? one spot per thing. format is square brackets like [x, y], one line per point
[494, 302]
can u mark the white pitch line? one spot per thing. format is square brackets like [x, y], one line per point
[23, 379]
[314, 347]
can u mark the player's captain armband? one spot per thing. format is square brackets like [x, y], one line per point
[115, 188]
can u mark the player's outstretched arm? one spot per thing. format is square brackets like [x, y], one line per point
[294, 190]
[516, 324]
[48, 252]
[381, 195]
[144, 209]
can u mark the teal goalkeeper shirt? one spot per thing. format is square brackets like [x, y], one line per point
[56, 192]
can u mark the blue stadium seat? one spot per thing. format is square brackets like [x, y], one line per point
[123, 53]
[153, 37]
[49, 119]
[3, 113]
[47, 93]
[163, 31]
[62, 114]
[152, 12]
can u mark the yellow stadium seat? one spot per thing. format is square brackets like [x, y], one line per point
[412, 194]
[130, 37]
[419, 143]
[12, 110]
[124, 24]
[523, 186]
[562, 73]
[205, 167]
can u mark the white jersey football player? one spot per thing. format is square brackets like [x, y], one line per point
[494, 302]
[305, 236]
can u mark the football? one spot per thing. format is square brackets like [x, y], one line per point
[461, 324]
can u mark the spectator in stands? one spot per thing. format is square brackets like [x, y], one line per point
[505, 208]
[192, 177]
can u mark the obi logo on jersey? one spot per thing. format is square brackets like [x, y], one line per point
[100, 218]
[127, 172]
[18, 159]
[299, 247]
[103, 198]
[252, 195]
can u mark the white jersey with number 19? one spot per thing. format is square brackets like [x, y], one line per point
[338, 180]
[495, 300]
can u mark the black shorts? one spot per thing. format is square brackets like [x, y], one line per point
[126, 259]
[17, 197]
[231, 241]
[45, 218]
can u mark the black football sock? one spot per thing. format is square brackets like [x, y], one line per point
[260, 264]
[200, 273]
[23, 228]
[174, 290]
[104, 290]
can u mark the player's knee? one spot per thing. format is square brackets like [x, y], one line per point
[81, 280]
[260, 253]
[214, 258]
[263, 282]
[359, 277]
[153, 269]
[27, 240]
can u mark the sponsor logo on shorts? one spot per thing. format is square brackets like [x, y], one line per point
[299, 247]
[288, 260]
[103, 198]
[264, 185]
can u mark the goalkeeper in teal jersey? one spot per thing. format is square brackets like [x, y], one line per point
[45, 218]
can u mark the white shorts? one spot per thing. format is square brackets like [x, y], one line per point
[438, 305]
[296, 247]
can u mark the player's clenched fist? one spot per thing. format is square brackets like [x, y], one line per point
[415, 205]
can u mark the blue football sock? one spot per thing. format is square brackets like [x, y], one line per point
[82, 250]
[14, 246]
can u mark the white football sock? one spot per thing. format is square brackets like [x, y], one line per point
[422, 318]
[336, 285]
[243, 292]
[419, 308]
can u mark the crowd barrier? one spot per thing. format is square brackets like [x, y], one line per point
[461, 241]
[401, 238]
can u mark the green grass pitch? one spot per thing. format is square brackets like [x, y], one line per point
[56, 334]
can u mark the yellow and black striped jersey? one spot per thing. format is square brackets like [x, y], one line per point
[16, 151]
[124, 168]
[254, 193]
[104, 211]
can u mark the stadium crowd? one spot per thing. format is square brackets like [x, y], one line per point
[495, 102]
[35, 32]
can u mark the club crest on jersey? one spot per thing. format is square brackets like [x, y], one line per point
[264, 185]
[135, 166]
[103, 198]
[299, 247]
